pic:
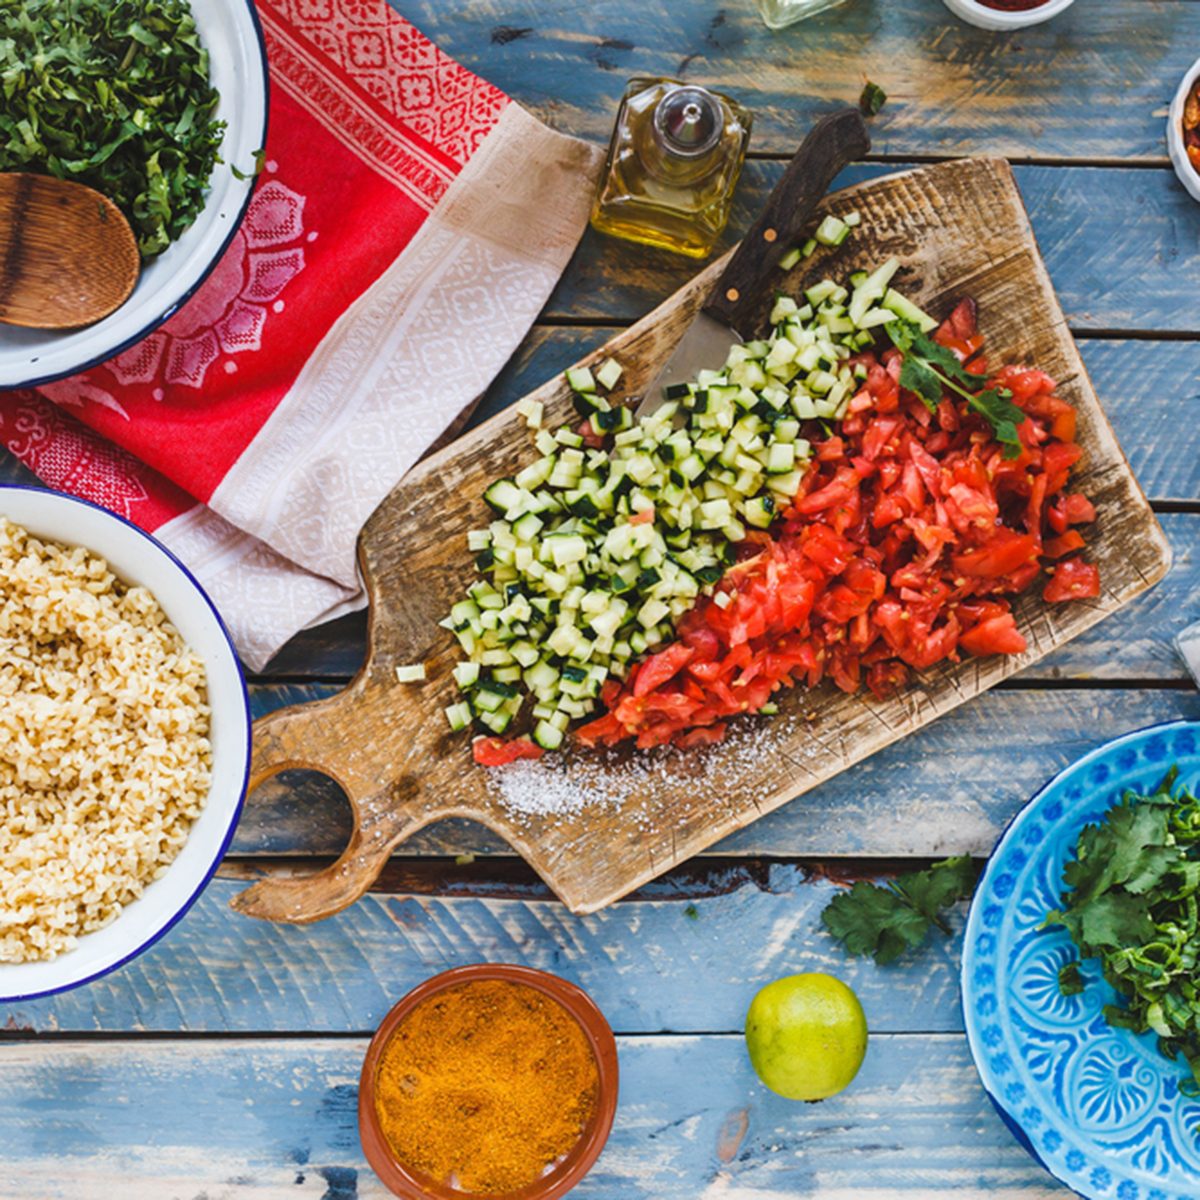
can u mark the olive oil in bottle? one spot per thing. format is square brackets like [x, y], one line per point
[673, 163]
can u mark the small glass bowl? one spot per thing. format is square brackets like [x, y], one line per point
[578, 1162]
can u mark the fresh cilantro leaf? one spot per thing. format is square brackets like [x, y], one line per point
[1070, 981]
[929, 368]
[1116, 919]
[1132, 901]
[943, 884]
[874, 920]
[886, 921]
[1003, 415]
[918, 377]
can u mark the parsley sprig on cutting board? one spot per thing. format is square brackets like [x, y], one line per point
[930, 368]
[114, 94]
[1133, 890]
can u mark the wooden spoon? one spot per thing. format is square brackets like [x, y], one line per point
[67, 255]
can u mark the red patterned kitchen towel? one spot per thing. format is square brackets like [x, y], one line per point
[408, 225]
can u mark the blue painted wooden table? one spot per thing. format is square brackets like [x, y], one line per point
[223, 1064]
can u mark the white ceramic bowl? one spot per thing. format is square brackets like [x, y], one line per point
[1179, 159]
[975, 13]
[237, 62]
[138, 558]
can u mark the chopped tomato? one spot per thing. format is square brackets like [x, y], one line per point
[1065, 543]
[1079, 509]
[661, 667]
[1073, 579]
[496, 752]
[996, 635]
[906, 537]
[591, 439]
[999, 555]
[704, 736]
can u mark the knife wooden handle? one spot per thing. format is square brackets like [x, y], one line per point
[833, 142]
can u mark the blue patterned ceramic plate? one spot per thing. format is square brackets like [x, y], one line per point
[1099, 1107]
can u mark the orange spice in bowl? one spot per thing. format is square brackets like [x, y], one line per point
[488, 1081]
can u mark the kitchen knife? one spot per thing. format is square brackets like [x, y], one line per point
[727, 316]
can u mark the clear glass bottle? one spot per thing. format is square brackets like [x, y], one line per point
[778, 14]
[673, 162]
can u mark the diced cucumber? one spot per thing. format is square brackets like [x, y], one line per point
[459, 716]
[532, 411]
[597, 550]
[547, 736]
[503, 495]
[905, 308]
[580, 379]
[832, 231]
[608, 373]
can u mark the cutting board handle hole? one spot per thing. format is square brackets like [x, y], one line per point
[308, 808]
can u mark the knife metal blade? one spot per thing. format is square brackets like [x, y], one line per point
[705, 345]
[730, 308]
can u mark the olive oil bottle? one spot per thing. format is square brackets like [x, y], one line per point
[673, 163]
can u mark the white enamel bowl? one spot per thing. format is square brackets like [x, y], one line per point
[984, 17]
[231, 33]
[138, 558]
[1179, 159]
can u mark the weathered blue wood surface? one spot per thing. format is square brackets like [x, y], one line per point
[276, 1120]
[1116, 242]
[949, 789]
[270, 1113]
[1093, 83]
[653, 965]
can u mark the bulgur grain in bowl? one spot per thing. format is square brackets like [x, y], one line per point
[124, 741]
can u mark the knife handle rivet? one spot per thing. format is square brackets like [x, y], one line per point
[769, 235]
[732, 295]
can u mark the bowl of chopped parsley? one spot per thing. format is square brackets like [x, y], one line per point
[160, 105]
[1081, 969]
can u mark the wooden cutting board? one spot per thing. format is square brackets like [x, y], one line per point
[959, 229]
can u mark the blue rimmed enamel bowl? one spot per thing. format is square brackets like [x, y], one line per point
[231, 33]
[137, 558]
[1098, 1107]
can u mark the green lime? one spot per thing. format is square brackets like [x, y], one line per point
[807, 1035]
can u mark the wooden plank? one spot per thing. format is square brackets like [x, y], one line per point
[653, 965]
[1116, 242]
[1093, 82]
[1136, 383]
[951, 226]
[1133, 644]
[1150, 393]
[951, 788]
[276, 1120]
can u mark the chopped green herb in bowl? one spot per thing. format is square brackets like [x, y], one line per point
[1132, 901]
[114, 94]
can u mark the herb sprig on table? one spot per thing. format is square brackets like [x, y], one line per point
[930, 368]
[885, 921]
[1133, 902]
[114, 94]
